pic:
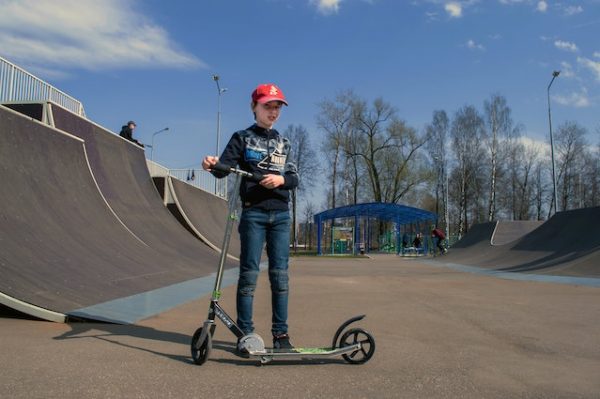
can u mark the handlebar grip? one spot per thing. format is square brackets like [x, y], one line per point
[221, 167]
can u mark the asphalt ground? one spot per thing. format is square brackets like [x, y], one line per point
[440, 333]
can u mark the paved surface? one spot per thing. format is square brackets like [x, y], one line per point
[205, 214]
[65, 246]
[440, 334]
[567, 244]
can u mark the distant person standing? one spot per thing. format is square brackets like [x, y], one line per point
[127, 132]
[439, 235]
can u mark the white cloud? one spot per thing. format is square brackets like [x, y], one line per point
[454, 9]
[597, 54]
[567, 46]
[87, 34]
[593, 66]
[431, 16]
[572, 10]
[566, 70]
[474, 46]
[577, 100]
[327, 7]
[542, 6]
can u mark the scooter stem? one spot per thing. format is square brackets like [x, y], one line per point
[229, 226]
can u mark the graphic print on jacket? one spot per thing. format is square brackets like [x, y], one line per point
[268, 154]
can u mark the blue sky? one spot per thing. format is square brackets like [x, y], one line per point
[152, 61]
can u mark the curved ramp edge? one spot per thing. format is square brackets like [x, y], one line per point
[194, 223]
[32, 310]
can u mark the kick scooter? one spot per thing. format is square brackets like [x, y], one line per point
[355, 345]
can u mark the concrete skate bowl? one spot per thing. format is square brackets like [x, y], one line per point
[64, 248]
[205, 214]
[568, 244]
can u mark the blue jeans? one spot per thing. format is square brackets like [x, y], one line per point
[256, 227]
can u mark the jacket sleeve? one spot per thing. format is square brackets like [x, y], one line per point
[290, 173]
[232, 154]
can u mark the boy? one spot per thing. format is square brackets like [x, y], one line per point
[265, 212]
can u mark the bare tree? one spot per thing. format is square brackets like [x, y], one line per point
[334, 118]
[499, 126]
[388, 151]
[570, 146]
[467, 129]
[305, 159]
[436, 133]
[309, 213]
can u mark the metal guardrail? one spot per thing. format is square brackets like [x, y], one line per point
[18, 85]
[196, 177]
[201, 179]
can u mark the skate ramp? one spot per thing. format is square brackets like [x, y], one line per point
[509, 231]
[64, 250]
[478, 235]
[568, 244]
[119, 167]
[205, 214]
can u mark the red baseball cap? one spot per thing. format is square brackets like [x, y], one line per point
[268, 92]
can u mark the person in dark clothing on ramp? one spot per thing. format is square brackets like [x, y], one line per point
[127, 133]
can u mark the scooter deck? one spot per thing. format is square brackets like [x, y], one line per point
[304, 352]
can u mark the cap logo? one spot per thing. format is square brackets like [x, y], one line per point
[273, 91]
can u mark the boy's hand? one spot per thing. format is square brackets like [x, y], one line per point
[209, 161]
[272, 181]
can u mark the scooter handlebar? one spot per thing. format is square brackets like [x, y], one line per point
[221, 167]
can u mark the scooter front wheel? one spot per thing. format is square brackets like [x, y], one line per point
[367, 345]
[201, 350]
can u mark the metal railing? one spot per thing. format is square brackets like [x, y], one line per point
[18, 85]
[201, 179]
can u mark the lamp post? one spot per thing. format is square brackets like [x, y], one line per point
[554, 75]
[220, 91]
[152, 145]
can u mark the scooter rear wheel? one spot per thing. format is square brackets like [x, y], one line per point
[201, 350]
[367, 345]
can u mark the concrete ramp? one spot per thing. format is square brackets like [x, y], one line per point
[70, 249]
[205, 214]
[120, 169]
[568, 245]
[478, 235]
[63, 248]
[509, 231]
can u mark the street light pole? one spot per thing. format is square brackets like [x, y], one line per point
[554, 75]
[220, 91]
[152, 145]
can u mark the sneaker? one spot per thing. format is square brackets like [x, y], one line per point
[241, 351]
[282, 342]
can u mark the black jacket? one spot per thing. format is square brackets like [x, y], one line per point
[127, 134]
[263, 151]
